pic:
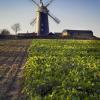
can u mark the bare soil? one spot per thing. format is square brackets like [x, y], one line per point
[13, 54]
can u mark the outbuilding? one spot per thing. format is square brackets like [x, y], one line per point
[79, 34]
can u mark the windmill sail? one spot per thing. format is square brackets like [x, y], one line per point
[49, 3]
[33, 22]
[35, 3]
[54, 18]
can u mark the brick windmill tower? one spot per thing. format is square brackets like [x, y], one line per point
[41, 21]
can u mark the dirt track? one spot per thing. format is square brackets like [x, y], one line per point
[13, 55]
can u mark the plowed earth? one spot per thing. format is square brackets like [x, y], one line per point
[13, 54]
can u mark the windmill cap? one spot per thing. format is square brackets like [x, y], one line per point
[43, 9]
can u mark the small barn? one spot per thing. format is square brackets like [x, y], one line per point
[79, 34]
[58, 34]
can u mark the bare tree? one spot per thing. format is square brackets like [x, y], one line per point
[16, 28]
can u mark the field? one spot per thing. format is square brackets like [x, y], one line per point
[49, 69]
[12, 57]
[62, 70]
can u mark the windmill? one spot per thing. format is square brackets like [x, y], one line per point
[41, 19]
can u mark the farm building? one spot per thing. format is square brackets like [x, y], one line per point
[58, 34]
[79, 34]
[26, 35]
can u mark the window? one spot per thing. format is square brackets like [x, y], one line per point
[42, 25]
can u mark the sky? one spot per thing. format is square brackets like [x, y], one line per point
[74, 14]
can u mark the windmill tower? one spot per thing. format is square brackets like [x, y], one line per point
[41, 21]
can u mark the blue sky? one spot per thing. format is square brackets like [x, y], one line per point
[74, 14]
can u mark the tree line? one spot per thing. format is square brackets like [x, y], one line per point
[15, 27]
